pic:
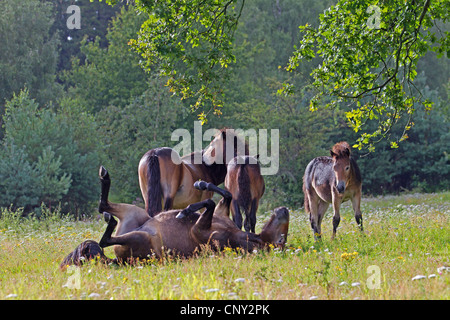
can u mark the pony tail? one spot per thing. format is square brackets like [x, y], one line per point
[306, 201]
[245, 197]
[154, 193]
[306, 186]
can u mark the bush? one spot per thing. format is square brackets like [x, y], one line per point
[45, 158]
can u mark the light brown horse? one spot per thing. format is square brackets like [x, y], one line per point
[176, 232]
[333, 180]
[168, 184]
[246, 185]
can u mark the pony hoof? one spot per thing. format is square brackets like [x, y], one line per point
[200, 185]
[181, 215]
[102, 172]
[106, 216]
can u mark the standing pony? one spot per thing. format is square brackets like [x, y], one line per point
[333, 180]
[246, 185]
[167, 179]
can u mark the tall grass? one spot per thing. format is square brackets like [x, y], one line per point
[404, 237]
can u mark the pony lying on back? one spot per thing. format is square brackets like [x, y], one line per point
[333, 180]
[176, 232]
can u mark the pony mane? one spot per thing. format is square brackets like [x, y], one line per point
[341, 149]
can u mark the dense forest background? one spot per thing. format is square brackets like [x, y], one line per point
[72, 99]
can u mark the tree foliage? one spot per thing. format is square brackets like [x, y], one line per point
[422, 161]
[131, 131]
[50, 160]
[28, 51]
[369, 52]
[108, 75]
[190, 43]
[95, 17]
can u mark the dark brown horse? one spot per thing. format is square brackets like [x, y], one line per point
[166, 180]
[246, 185]
[87, 250]
[177, 232]
[333, 180]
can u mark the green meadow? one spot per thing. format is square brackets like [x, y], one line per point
[404, 253]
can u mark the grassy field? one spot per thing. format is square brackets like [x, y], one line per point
[405, 237]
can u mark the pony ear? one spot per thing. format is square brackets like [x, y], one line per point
[347, 152]
[332, 154]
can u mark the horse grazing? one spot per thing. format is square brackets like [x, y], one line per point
[179, 232]
[167, 179]
[246, 185]
[333, 180]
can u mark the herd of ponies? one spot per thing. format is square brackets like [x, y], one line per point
[180, 218]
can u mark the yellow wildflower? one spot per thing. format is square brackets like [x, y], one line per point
[349, 255]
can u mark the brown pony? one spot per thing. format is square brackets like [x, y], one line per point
[176, 232]
[333, 180]
[166, 179]
[87, 250]
[246, 185]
